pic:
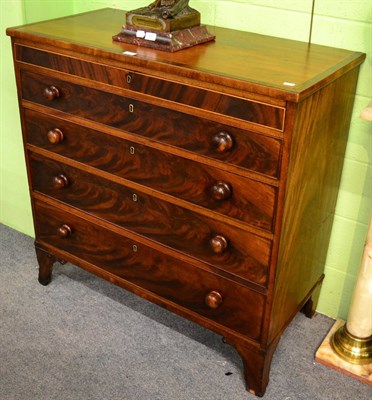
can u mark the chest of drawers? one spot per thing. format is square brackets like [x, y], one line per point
[204, 181]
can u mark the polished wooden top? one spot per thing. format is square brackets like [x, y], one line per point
[281, 68]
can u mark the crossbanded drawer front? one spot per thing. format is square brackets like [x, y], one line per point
[247, 150]
[202, 292]
[258, 113]
[229, 248]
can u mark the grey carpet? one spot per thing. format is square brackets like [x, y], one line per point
[82, 338]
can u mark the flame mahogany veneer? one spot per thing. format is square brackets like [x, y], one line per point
[204, 180]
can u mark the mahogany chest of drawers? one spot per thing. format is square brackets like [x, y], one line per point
[204, 180]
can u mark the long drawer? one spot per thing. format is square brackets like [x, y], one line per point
[221, 245]
[232, 146]
[230, 304]
[257, 112]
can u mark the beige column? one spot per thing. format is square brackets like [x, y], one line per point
[348, 346]
[359, 322]
[353, 340]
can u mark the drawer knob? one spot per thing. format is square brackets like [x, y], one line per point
[55, 136]
[51, 93]
[64, 231]
[213, 299]
[223, 142]
[221, 191]
[218, 244]
[60, 181]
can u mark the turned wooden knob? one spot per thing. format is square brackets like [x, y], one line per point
[213, 299]
[218, 244]
[223, 142]
[60, 181]
[51, 93]
[221, 191]
[55, 136]
[64, 231]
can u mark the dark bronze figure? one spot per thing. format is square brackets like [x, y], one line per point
[169, 8]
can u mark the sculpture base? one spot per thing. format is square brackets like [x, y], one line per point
[166, 41]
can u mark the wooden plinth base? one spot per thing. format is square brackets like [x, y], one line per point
[167, 41]
[326, 356]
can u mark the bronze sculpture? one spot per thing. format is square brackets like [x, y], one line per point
[169, 8]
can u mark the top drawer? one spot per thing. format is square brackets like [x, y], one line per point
[260, 113]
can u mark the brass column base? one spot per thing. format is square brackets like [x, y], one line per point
[351, 348]
[327, 356]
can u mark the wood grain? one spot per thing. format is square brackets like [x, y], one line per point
[247, 255]
[199, 180]
[252, 111]
[251, 201]
[139, 117]
[315, 168]
[174, 280]
[250, 150]
[240, 60]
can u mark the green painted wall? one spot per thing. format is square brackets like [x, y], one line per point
[15, 209]
[338, 23]
[39, 10]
